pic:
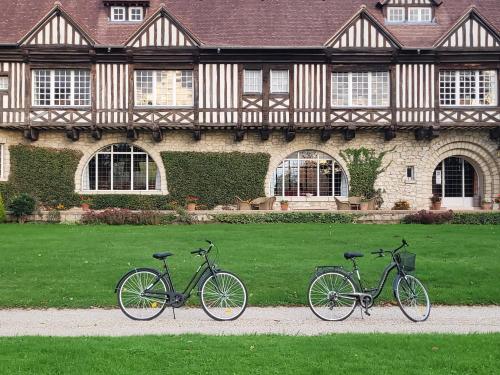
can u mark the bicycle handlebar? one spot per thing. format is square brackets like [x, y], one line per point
[381, 252]
[202, 251]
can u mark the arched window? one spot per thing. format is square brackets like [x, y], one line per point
[309, 173]
[121, 167]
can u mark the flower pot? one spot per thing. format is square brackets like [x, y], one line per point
[191, 206]
[436, 206]
[364, 206]
[85, 206]
[284, 206]
[487, 206]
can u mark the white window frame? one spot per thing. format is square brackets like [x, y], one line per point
[112, 152]
[130, 9]
[155, 91]
[477, 74]
[275, 88]
[4, 78]
[370, 91]
[391, 14]
[113, 15]
[52, 90]
[259, 82]
[420, 12]
[412, 177]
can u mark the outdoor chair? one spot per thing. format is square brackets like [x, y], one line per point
[354, 202]
[342, 205]
[243, 205]
[263, 203]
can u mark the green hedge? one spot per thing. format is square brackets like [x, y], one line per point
[286, 217]
[132, 202]
[492, 217]
[46, 174]
[215, 177]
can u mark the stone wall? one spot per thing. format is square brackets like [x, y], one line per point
[424, 155]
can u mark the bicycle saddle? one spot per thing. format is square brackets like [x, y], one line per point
[162, 256]
[352, 255]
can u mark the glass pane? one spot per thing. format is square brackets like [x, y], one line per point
[326, 178]
[62, 87]
[165, 87]
[360, 89]
[42, 87]
[82, 88]
[380, 89]
[278, 180]
[291, 177]
[184, 88]
[104, 171]
[447, 86]
[144, 87]
[4, 83]
[252, 81]
[90, 174]
[453, 177]
[122, 172]
[308, 177]
[154, 176]
[340, 89]
[140, 166]
[122, 147]
[467, 87]
[437, 181]
[487, 90]
[309, 154]
[279, 81]
[470, 182]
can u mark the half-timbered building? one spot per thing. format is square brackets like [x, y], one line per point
[123, 80]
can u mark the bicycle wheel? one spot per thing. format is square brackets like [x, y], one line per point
[132, 300]
[223, 296]
[412, 298]
[327, 296]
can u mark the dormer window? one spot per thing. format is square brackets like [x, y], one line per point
[135, 14]
[396, 14]
[419, 14]
[118, 14]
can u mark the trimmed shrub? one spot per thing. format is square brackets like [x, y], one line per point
[215, 177]
[401, 205]
[429, 217]
[22, 206]
[3, 215]
[480, 218]
[289, 217]
[44, 173]
[122, 216]
[131, 202]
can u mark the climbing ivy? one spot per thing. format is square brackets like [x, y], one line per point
[364, 166]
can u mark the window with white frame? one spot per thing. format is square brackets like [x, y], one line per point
[135, 14]
[118, 14]
[410, 173]
[468, 87]
[121, 167]
[4, 83]
[396, 14]
[309, 173]
[171, 88]
[279, 81]
[419, 14]
[252, 81]
[360, 89]
[61, 87]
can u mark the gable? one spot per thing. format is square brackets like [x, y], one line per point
[362, 31]
[162, 30]
[57, 28]
[471, 31]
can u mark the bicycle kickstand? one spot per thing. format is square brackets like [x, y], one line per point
[173, 311]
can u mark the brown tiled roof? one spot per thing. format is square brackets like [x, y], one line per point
[246, 23]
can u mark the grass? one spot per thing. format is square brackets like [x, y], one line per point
[78, 266]
[193, 354]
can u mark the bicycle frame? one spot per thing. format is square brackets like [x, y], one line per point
[204, 270]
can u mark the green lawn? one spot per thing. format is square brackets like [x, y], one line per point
[351, 354]
[78, 266]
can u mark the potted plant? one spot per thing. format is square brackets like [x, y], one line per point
[191, 202]
[487, 204]
[86, 201]
[436, 202]
[497, 201]
[364, 204]
[284, 205]
[22, 206]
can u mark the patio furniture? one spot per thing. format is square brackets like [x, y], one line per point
[342, 205]
[355, 203]
[263, 203]
[243, 205]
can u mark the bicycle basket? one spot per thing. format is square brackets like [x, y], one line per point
[407, 261]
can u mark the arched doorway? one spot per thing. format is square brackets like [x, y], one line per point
[456, 180]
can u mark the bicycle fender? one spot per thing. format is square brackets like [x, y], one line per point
[394, 284]
[204, 277]
[320, 270]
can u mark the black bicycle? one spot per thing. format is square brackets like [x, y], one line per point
[144, 293]
[334, 294]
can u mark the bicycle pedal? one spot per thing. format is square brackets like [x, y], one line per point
[367, 313]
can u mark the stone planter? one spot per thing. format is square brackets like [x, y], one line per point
[487, 206]
[284, 206]
[436, 206]
[364, 206]
[85, 206]
[191, 207]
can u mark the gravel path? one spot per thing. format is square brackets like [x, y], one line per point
[269, 320]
